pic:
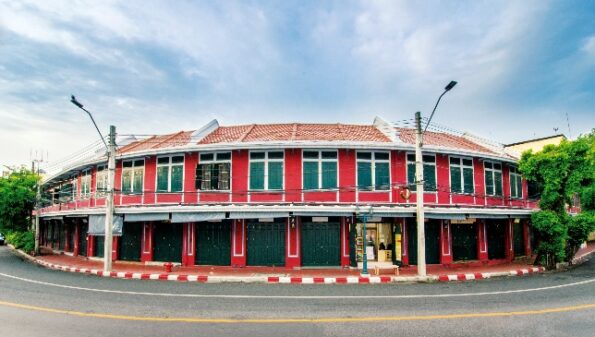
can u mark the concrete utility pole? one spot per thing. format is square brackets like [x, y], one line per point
[37, 207]
[109, 207]
[419, 190]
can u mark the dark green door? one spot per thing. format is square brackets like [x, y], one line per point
[519, 242]
[321, 244]
[61, 236]
[213, 243]
[464, 242]
[130, 241]
[71, 237]
[432, 233]
[496, 234]
[266, 244]
[167, 240]
[99, 244]
[83, 239]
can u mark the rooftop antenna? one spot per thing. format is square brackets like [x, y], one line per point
[568, 121]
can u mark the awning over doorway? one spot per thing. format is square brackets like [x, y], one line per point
[196, 217]
[258, 215]
[97, 225]
[146, 217]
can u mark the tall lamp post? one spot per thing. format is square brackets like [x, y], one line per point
[109, 208]
[419, 182]
[364, 217]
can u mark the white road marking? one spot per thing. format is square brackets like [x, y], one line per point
[337, 297]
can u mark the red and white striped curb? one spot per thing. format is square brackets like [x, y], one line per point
[478, 276]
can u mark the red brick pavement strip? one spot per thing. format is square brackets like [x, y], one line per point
[289, 279]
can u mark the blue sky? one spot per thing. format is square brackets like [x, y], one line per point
[163, 66]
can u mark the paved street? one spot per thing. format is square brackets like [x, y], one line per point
[36, 301]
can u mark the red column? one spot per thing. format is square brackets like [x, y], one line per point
[293, 243]
[526, 237]
[238, 243]
[508, 240]
[190, 162]
[115, 250]
[443, 178]
[75, 242]
[90, 245]
[293, 175]
[347, 173]
[66, 236]
[147, 242]
[188, 245]
[482, 243]
[118, 183]
[405, 243]
[445, 242]
[239, 178]
[150, 180]
[346, 223]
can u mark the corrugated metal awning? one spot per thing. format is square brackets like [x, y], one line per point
[445, 216]
[97, 225]
[258, 215]
[319, 213]
[196, 217]
[146, 217]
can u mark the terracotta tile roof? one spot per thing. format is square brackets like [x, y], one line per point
[442, 139]
[157, 142]
[295, 132]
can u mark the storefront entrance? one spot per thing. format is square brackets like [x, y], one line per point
[167, 242]
[130, 242]
[213, 243]
[378, 242]
[266, 243]
[83, 228]
[321, 243]
[464, 241]
[496, 239]
[432, 233]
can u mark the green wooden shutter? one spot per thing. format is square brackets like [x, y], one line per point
[224, 176]
[138, 180]
[310, 175]
[275, 175]
[162, 173]
[329, 175]
[177, 178]
[489, 181]
[411, 173]
[257, 176]
[126, 179]
[430, 177]
[199, 177]
[513, 191]
[364, 175]
[455, 179]
[498, 182]
[468, 180]
[381, 177]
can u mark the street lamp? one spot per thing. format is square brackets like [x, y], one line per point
[109, 208]
[419, 182]
[364, 217]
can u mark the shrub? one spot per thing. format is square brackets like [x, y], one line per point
[579, 228]
[551, 233]
[22, 240]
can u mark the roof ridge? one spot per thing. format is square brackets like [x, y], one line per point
[294, 131]
[167, 139]
[243, 136]
[137, 144]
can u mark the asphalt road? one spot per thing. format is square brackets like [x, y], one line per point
[38, 302]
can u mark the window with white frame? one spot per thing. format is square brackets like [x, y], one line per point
[85, 184]
[133, 172]
[461, 175]
[266, 170]
[429, 171]
[68, 191]
[493, 178]
[170, 174]
[516, 183]
[213, 171]
[101, 181]
[319, 170]
[373, 171]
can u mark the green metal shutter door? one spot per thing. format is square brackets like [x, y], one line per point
[213, 243]
[83, 239]
[130, 242]
[167, 242]
[61, 235]
[432, 232]
[464, 242]
[519, 242]
[98, 245]
[266, 244]
[321, 244]
[496, 244]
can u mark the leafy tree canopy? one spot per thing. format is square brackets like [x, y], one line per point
[17, 199]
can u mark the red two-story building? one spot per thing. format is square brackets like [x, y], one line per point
[293, 195]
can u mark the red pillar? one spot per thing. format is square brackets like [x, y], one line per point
[508, 240]
[115, 250]
[66, 237]
[482, 242]
[526, 237]
[147, 242]
[346, 223]
[293, 175]
[90, 245]
[293, 243]
[188, 245]
[238, 243]
[75, 242]
[445, 242]
[405, 242]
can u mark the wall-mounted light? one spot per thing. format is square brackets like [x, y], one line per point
[292, 222]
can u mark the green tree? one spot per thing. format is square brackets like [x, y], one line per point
[17, 199]
[563, 172]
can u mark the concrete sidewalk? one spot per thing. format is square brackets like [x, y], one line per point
[218, 274]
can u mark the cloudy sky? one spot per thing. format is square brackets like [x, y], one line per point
[162, 66]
